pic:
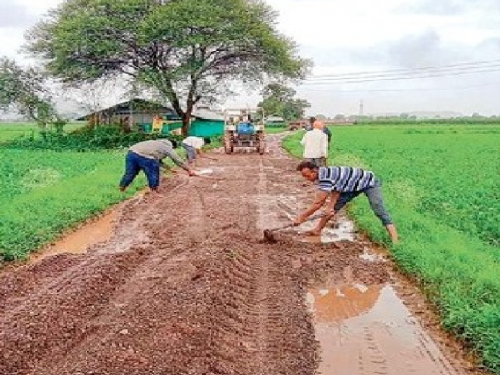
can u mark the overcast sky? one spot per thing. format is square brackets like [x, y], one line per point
[357, 36]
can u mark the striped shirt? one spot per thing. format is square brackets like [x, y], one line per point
[345, 179]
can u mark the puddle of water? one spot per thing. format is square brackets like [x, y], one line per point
[368, 330]
[342, 231]
[279, 210]
[205, 171]
[370, 255]
[77, 242]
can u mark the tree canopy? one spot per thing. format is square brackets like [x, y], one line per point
[24, 90]
[188, 51]
[280, 100]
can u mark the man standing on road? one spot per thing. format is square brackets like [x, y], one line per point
[341, 185]
[324, 128]
[147, 156]
[193, 146]
[315, 144]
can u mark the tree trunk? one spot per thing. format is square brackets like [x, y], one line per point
[186, 123]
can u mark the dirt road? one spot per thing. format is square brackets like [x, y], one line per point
[186, 286]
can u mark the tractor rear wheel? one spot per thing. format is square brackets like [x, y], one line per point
[261, 147]
[228, 144]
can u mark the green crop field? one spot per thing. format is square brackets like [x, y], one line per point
[45, 193]
[10, 131]
[442, 187]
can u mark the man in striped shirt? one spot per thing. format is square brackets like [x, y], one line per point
[342, 184]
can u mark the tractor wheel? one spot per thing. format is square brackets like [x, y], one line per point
[261, 148]
[228, 144]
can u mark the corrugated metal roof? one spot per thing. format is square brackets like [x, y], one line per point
[206, 114]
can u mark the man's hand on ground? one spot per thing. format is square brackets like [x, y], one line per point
[192, 173]
[298, 220]
[329, 213]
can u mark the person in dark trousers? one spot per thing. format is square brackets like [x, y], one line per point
[341, 185]
[147, 156]
[193, 146]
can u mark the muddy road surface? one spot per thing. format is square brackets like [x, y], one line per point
[186, 285]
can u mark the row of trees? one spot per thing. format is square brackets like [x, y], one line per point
[25, 90]
[280, 100]
[185, 51]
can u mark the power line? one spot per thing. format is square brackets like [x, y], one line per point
[349, 80]
[401, 90]
[452, 67]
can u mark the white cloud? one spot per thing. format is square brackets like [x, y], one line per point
[13, 14]
[345, 36]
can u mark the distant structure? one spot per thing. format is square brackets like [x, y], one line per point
[361, 108]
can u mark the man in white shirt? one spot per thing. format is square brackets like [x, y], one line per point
[193, 146]
[315, 144]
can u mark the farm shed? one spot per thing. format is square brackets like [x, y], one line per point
[206, 123]
[132, 113]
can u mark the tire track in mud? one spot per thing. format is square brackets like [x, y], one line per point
[262, 283]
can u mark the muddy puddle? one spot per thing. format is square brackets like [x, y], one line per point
[373, 255]
[366, 329]
[277, 211]
[341, 230]
[77, 242]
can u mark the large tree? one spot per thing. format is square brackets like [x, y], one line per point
[25, 91]
[187, 50]
[280, 100]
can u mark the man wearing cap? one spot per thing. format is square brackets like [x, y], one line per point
[147, 156]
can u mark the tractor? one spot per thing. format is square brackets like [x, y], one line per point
[244, 128]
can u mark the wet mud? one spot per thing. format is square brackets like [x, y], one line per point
[186, 284]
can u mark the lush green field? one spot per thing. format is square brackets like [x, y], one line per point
[10, 131]
[47, 192]
[442, 187]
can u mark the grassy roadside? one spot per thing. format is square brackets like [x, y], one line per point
[275, 129]
[47, 192]
[439, 185]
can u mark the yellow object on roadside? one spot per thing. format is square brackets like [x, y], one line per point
[157, 124]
